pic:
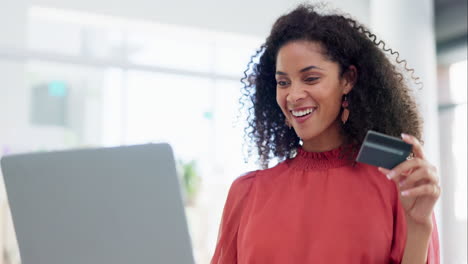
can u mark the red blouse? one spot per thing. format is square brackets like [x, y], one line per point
[314, 208]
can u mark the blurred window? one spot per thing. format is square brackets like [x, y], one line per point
[95, 80]
[458, 87]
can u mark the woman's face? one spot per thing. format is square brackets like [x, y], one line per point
[309, 91]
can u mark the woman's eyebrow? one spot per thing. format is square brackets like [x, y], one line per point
[310, 68]
[303, 70]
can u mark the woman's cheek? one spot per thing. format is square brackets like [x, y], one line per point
[281, 101]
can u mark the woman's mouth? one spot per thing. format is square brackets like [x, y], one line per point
[302, 115]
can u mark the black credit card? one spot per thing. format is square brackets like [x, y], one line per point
[383, 150]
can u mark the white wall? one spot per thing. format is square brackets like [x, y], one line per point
[240, 16]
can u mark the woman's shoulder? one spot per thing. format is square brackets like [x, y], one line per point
[249, 177]
[242, 184]
[239, 191]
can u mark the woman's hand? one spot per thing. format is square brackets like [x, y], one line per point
[418, 184]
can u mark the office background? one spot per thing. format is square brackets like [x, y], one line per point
[105, 73]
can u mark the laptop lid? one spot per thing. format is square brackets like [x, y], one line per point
[116, 205]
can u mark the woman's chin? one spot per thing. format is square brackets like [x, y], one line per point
[306, 136]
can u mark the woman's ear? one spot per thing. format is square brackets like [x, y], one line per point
[350, 78]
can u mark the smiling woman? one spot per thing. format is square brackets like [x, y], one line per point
[310, 97]
[322, 81]
[379, 87]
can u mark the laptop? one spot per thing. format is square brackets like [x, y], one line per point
[119, 205]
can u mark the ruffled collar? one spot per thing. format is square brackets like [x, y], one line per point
[338, 157]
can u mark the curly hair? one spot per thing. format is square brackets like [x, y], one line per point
[380, 100]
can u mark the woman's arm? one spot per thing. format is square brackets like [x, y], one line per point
[226, 247]
[417, 243]
[418, 184]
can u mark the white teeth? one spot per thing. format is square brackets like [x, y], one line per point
[303, 112]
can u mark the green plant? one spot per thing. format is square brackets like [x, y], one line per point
[189, 180]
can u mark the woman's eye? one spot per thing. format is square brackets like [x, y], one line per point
[311, 79]
[282, 83]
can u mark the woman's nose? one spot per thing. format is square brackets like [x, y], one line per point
[296, 94]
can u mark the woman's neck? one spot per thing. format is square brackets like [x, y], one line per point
[329, 139]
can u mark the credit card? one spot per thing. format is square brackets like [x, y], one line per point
[383, 150]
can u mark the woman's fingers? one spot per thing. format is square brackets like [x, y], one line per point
[417, 148]
[406, 166]
[427, 174]
[413, 171]
[432, 190]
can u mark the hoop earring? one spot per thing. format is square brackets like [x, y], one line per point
[345, 113]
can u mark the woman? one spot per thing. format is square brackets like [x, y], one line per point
[322, 81]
